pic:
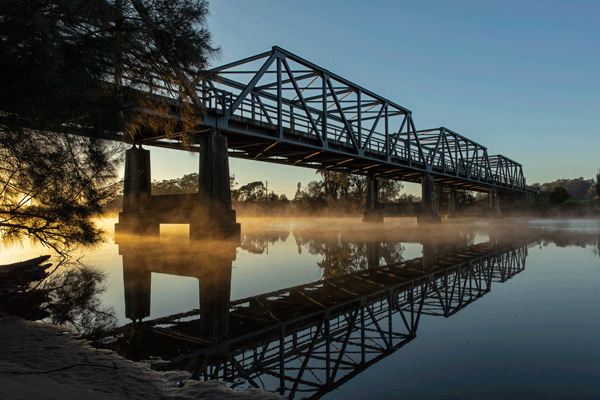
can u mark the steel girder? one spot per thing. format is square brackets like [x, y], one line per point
[280, 108]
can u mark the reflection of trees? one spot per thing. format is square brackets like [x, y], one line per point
[566, 238]
[342, 257]
[257, 242]
[74, 300]
[70, 297]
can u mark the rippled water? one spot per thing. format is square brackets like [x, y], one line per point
[503, 309]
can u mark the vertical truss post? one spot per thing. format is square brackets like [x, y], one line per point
[387, 134]
[279, 101]
[359, 116]
[324, 78]
[327, 347]
[390, 338]
[307, 357]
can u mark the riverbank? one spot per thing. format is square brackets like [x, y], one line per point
[30, 350]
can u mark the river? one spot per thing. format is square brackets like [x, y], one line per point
[466, 309]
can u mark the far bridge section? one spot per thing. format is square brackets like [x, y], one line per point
[307, 340]
[277, 107]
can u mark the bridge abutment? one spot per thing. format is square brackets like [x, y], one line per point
[428, 212]
[372, 212]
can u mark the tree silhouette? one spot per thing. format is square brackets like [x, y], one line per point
[68, 67]
[559, 195]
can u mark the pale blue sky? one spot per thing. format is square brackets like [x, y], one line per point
[520, 77]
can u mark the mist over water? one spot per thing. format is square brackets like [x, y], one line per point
[533, 334]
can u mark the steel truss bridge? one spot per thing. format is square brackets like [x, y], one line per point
[307, 340]
[280, 108]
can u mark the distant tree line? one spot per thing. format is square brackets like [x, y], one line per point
[346, 194]
[578, 189]
[343, 191]
[569, 197]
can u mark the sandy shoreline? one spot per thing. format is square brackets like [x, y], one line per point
[28, 349]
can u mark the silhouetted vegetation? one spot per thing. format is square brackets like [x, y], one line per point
[578, 189]
[67, 68]
[67, 295]
[559, 195]
[565, 197]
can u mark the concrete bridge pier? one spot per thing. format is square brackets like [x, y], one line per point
[529, 197]
[137, 284]
[372, 212]
[494, 202]
[137, 195]
[428, 212]
[214, 194]
[452, 203]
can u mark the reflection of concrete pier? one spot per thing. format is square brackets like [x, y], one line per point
[209, 262]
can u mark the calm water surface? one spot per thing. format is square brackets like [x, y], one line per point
[501, 309]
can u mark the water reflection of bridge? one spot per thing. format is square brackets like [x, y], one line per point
[309, 339]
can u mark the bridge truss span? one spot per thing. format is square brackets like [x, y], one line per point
[280, 108]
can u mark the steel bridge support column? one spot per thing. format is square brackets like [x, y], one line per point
[494, 202]
[135, 217]
[214, 194]
[452, 203]
[372, 212]
[428, 212]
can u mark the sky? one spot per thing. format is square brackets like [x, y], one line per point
[522, 78]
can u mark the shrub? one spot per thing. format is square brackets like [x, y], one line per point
[559, 195]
